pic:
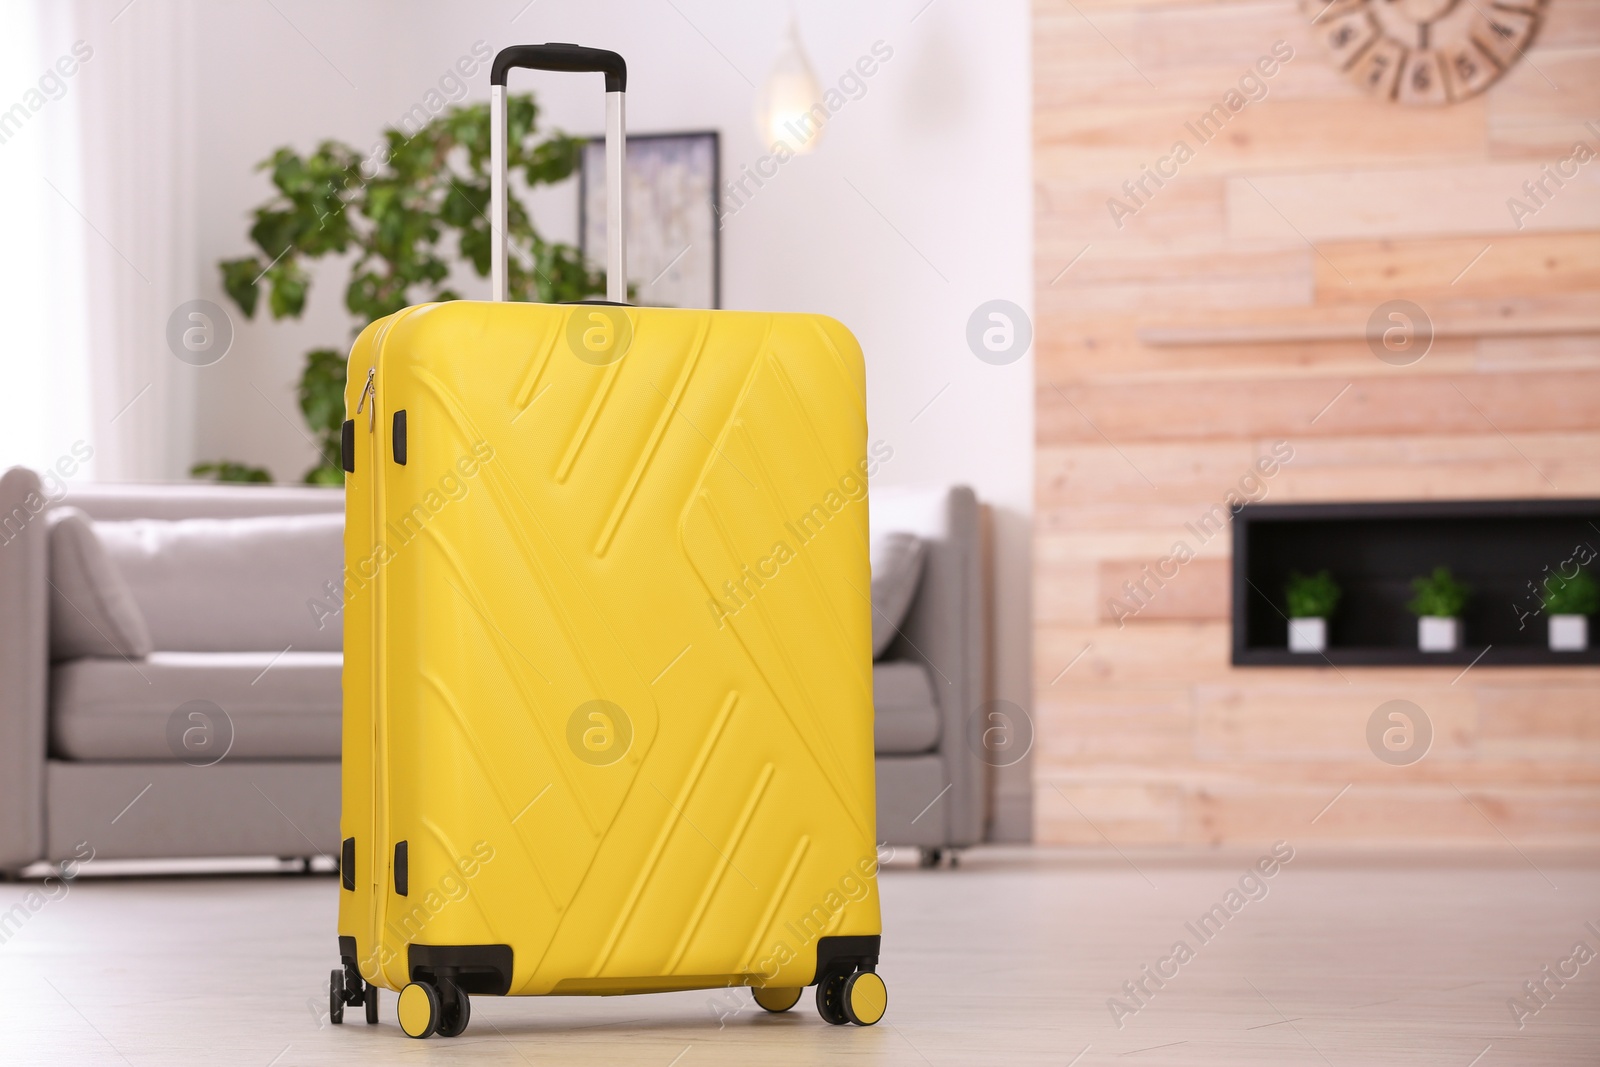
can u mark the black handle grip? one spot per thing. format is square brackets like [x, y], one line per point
[571, 58]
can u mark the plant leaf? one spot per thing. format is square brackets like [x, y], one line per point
[239, 282]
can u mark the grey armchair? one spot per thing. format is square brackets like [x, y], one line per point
[929, 686]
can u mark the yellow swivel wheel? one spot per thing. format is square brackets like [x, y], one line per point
[418, 1008]
[865, 998]
[776, 999]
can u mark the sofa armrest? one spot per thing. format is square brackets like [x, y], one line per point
[172, 501]
[24, 666]
[944, 629]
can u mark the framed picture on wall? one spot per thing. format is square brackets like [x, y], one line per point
[674, 245]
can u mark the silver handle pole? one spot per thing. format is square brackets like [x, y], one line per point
[616, 201]
[497, 192]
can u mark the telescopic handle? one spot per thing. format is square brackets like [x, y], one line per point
[572, 58]
[569, 58]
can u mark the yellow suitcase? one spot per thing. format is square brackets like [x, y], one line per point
[607, 667]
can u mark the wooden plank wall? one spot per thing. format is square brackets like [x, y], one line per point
[1313, 206]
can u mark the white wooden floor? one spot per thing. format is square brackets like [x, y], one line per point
[1349, 959]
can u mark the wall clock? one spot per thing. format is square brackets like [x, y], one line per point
[1426, 51]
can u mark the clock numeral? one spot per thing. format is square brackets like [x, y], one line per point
[1424, 80]
[1348, 36]
[1503, 35]
[1379, 67]
[1469, 71]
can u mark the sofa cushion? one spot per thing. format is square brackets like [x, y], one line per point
[275, 705]
[905, 714]
[268, 582]
[896, 570]
[92, 610]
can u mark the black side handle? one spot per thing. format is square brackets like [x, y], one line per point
[571, 58]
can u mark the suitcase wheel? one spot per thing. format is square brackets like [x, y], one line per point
[425, 1009]
[455, 1008]
[830, 998]
[346, 987]
[776, 999]
[843, 997]
[418, 1010]
[336, 996]
[865, 998]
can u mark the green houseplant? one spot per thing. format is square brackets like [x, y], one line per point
[1569, 602]
[1312, 596]
[1311, 601]
[404, 217]
[1439, 601]
[1578, 595]
[226, 470]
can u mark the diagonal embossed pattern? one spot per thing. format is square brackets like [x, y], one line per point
[560, 534]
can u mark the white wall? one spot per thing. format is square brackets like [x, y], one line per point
[914, 208]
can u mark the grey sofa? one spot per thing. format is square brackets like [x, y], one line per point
[85, 767]
[929, 686]
[87, 762]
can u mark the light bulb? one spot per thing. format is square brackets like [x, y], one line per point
[785, 112]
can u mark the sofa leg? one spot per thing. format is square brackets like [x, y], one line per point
[929, 858]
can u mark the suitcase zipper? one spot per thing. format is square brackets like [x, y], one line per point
[369, 389]
[377, 827]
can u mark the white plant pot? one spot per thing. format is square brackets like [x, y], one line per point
[1569, 633]
[1308, 634]
[1437, 633]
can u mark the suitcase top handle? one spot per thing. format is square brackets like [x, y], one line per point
[573, 59]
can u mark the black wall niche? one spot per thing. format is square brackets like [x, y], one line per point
[1498, 547]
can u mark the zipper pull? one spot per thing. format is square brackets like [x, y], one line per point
[366, 391]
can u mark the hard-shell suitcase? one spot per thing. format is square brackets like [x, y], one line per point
[607, 667]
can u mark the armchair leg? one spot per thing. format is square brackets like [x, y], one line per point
[933, 858]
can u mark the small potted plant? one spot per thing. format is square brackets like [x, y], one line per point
[1569, 602]
[1311, 602]
[1437, 605]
